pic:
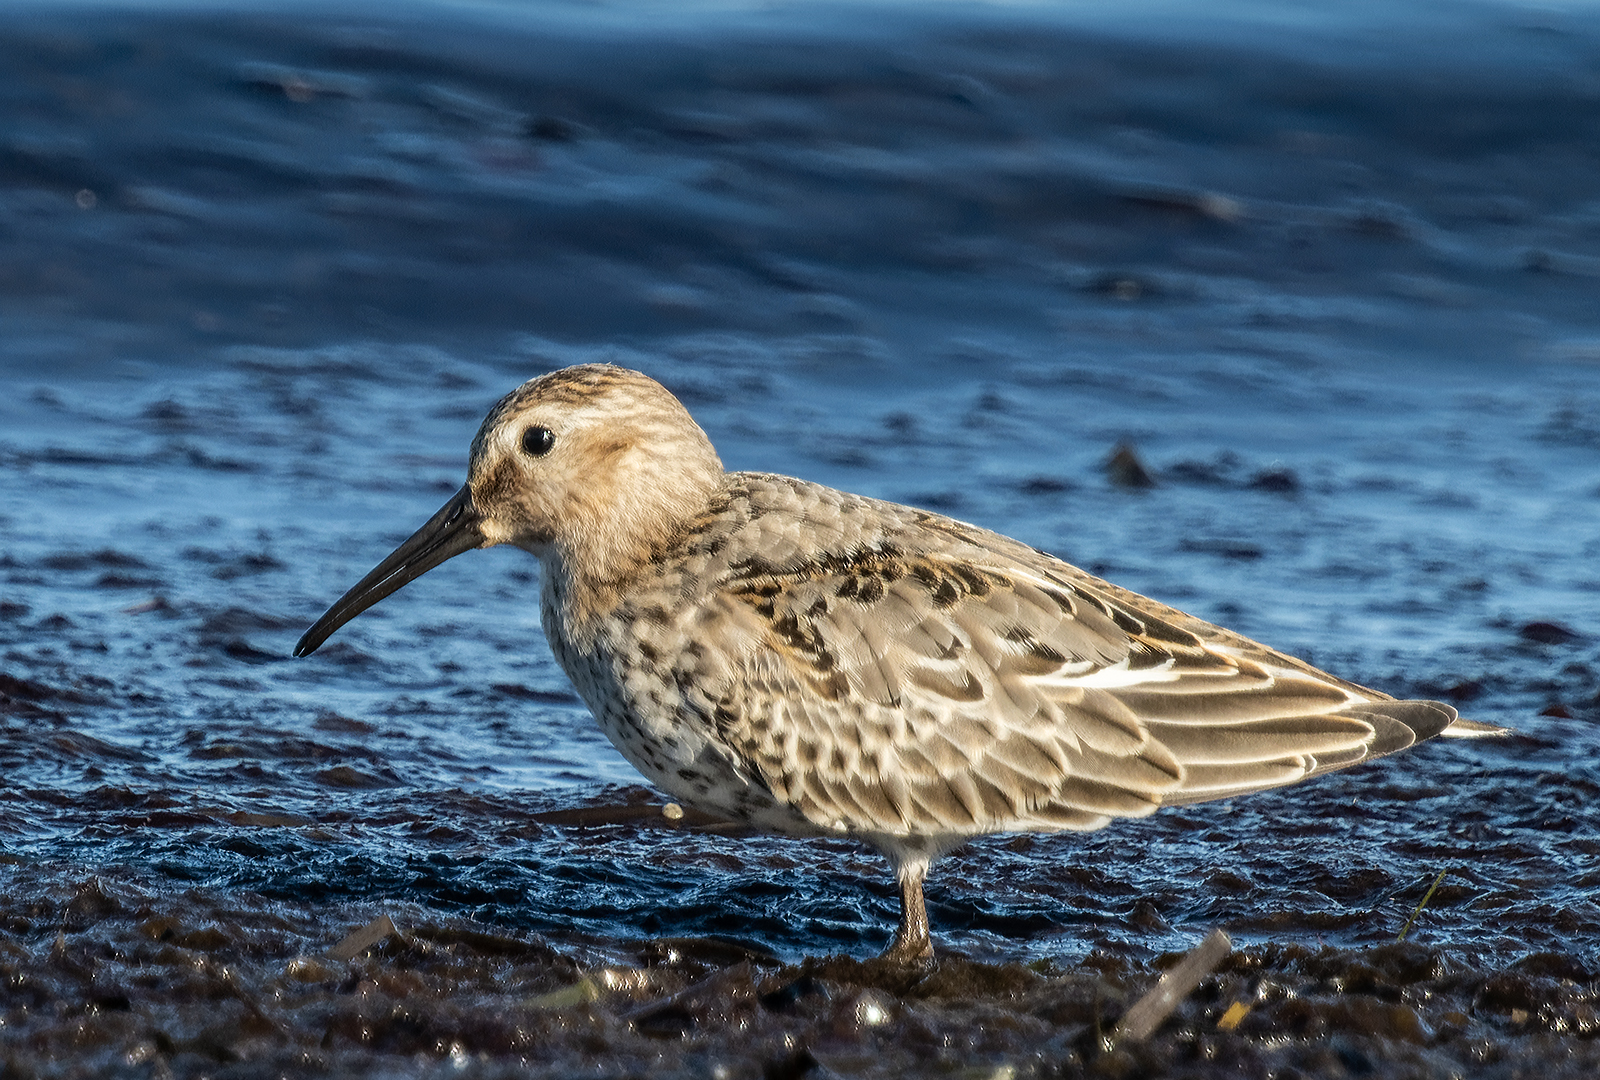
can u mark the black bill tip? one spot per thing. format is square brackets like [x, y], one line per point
[448, 533]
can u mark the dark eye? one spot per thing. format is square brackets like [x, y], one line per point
[537, 441]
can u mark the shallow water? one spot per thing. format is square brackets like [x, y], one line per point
[1336, 283]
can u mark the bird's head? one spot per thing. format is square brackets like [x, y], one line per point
[592, 468]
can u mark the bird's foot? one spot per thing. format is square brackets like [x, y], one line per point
[909, 950]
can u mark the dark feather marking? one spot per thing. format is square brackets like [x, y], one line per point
[499, 485]
[971, 689]
[1063, 599]
[953, 650]
[995, 802]
[978, 583]
[833, 688]
[1142, 657]
[1043, 658]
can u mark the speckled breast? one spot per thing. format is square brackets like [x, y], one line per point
[636, 694]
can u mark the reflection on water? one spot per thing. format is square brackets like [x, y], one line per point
[265, 274]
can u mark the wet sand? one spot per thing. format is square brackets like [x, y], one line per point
[116, 976]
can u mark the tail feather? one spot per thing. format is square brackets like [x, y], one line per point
[1304, 747]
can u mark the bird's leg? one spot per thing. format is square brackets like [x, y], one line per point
[911, 941]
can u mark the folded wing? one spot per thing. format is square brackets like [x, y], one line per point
[958, 687]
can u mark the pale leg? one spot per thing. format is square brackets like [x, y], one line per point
[911, 941]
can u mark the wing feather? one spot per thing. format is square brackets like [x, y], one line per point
[954, 682]
[1262, 740]
[1203, 705]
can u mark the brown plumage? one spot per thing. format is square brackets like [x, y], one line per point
[818, 663]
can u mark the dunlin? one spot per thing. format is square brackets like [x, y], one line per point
[818, 663]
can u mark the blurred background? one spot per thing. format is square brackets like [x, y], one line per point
[1330, 279]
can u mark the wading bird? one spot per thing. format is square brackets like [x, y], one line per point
[817, 663]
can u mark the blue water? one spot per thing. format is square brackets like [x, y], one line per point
[1334, 279]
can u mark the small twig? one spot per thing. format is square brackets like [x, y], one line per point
[1425, 898]
[359, 941]
[1149, 1011]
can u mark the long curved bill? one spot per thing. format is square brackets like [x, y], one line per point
[448, 533]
